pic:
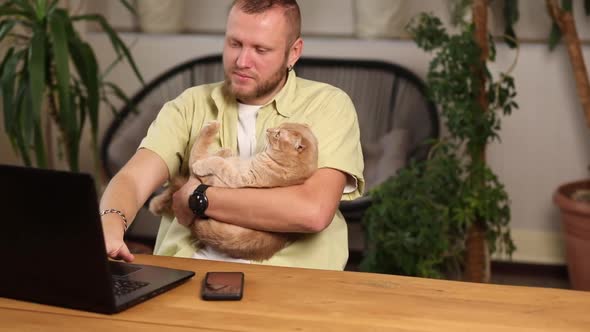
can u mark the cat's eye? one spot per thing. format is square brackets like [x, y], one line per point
[277, 133]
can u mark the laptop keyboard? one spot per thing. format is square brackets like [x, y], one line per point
[125, 286]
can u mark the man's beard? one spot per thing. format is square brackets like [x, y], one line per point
[261, 89]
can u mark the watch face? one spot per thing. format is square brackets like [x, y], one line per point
[192, 202]
[198, 202]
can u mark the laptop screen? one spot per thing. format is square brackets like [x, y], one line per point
[52, 238]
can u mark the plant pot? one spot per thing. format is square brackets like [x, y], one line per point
[575, 218]
[381, 18]
[161, 16]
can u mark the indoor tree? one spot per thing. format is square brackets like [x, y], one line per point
[435, 217]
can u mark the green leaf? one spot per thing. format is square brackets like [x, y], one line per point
[118, 45]
[5, 27]
[79, 102]
[87, 67]
[587, 7]
[511, 16]
[567, 5]
[52, 7]
[118, 92]
[8, 81]
[24, 5]
[57, 24]
[73, 142]
[41, 9]
[10, 12]
[129, 7]
[27, 9]
[36, 69]
[40, 154]
[23, 124]
[554, 36]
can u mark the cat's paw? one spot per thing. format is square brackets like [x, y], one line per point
[207, 166]
[160, 204]
[200, 168]
[210, 128]
[224, 153]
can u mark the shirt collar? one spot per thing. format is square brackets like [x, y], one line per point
[284, 98]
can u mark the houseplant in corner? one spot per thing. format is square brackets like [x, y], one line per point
[50, 74]
[419, 220]
[574, 198]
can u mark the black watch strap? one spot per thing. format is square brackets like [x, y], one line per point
[198, 201]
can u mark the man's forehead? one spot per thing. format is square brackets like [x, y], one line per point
[262, 28]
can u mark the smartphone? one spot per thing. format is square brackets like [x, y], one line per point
[223, 286]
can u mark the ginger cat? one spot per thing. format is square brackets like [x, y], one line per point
[290, 157]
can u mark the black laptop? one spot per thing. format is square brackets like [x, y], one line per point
[52, 249]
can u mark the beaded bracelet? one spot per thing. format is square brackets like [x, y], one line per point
[121, 214]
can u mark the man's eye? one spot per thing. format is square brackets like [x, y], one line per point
[261, 50]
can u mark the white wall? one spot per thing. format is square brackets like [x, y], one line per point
[544, 143]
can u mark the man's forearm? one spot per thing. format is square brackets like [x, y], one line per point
[136, 181]
[302, 208]
[119, 195]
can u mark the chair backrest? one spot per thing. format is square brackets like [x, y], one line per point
[130, 125]
[386, 96]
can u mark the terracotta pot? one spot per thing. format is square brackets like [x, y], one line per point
[575, 218]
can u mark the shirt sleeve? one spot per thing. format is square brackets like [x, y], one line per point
[169, 133]
[337, 130]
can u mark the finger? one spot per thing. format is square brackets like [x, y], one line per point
[121, 253]
[125, 254]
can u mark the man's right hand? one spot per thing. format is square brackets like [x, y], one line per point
[184, 215]
[113, 230]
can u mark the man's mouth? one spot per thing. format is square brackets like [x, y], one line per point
[242, 75]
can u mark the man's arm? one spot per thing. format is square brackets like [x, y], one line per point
[306, 208]
[127, 191]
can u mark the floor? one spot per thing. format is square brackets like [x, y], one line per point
[516, 274]
[505, 273]
[553, 276]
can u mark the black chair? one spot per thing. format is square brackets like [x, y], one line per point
[387, 97]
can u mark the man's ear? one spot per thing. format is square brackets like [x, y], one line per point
[295, 51]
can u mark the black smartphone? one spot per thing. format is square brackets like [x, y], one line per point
[220, 286]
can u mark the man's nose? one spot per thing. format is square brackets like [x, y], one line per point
[244, 59]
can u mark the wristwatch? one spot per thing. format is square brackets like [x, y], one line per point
[198, 201]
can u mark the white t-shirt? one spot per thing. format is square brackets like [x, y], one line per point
[246, 147]
[247, 129]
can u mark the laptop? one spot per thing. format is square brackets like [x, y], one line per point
[52, 249]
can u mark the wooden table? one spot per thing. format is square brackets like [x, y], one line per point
[286, 299]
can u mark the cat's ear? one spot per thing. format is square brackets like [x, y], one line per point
[299, 146]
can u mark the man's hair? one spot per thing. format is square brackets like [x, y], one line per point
[290, 8]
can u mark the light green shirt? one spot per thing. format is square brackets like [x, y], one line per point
[331, 116]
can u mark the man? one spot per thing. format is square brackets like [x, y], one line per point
[262, 43]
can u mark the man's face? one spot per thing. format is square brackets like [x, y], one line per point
[255, 56]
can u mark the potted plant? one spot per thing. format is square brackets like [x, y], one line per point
[50, 74]
[421, 219]
[573, 199]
